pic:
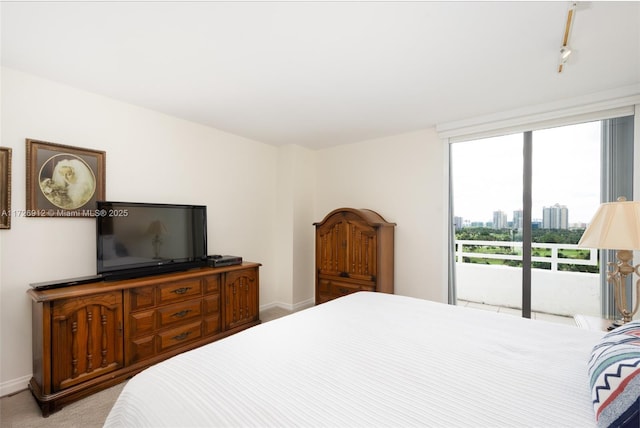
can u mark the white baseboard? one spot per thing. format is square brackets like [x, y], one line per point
[15, 385]
[289, 307]
[304, 304]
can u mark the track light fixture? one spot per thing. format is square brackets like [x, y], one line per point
[565, 50]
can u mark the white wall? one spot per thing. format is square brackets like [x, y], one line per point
[150, 157]
[402, 179]
[295, 233]
[265, 212]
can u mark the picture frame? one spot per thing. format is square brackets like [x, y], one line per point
[5, 188]
[63, 181]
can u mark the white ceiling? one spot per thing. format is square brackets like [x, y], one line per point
[319, 74]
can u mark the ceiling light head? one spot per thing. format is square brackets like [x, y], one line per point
[565, 52]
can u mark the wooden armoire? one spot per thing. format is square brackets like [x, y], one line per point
[354, 252]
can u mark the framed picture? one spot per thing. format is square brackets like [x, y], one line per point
[63, 181]
[5, 188]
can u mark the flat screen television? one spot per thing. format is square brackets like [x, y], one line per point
[137, 239]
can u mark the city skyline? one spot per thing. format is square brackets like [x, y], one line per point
[553, 217]
[487, 174]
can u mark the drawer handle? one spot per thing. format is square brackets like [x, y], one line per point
[181, 290]
[182, 313]
[182, 336]
[344, 290]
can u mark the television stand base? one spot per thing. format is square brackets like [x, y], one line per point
[66, 282]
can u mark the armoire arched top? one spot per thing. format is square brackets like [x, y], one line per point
[368, 215]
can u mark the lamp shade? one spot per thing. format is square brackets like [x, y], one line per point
[615, 226]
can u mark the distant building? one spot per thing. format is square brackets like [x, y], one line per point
[518, 219]
[457, 223]
[555, 217]
[500, 220]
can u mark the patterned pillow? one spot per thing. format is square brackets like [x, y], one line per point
[614, 377]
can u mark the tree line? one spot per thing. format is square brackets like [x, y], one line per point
[548, 236]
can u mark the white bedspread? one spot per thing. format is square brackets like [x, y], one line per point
[372, 359]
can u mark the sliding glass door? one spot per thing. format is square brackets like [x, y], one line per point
[487, 204]
[565, 195]
[543, 186]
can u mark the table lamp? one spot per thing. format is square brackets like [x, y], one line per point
[616, 226]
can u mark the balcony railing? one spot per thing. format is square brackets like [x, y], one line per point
[516, 247]
[559, 284]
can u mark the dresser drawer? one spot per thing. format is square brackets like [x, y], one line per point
[180, 336]
[179, 290]
[336, 287]
[212, 325]
[212, 284]
[142, 322]
[142, 297]
[179, 312]
[342, 288]
[141, 348]
[212, 304]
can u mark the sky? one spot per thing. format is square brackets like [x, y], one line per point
[487, 173]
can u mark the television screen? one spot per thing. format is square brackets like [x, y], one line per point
[136, 239]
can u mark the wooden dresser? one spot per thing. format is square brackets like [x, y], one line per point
[354, 252]
[89, 337]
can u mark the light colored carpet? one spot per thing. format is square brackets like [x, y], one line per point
[21, 411]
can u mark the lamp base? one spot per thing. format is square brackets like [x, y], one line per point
[618, 274]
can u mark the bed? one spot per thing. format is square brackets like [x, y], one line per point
[373, 359]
